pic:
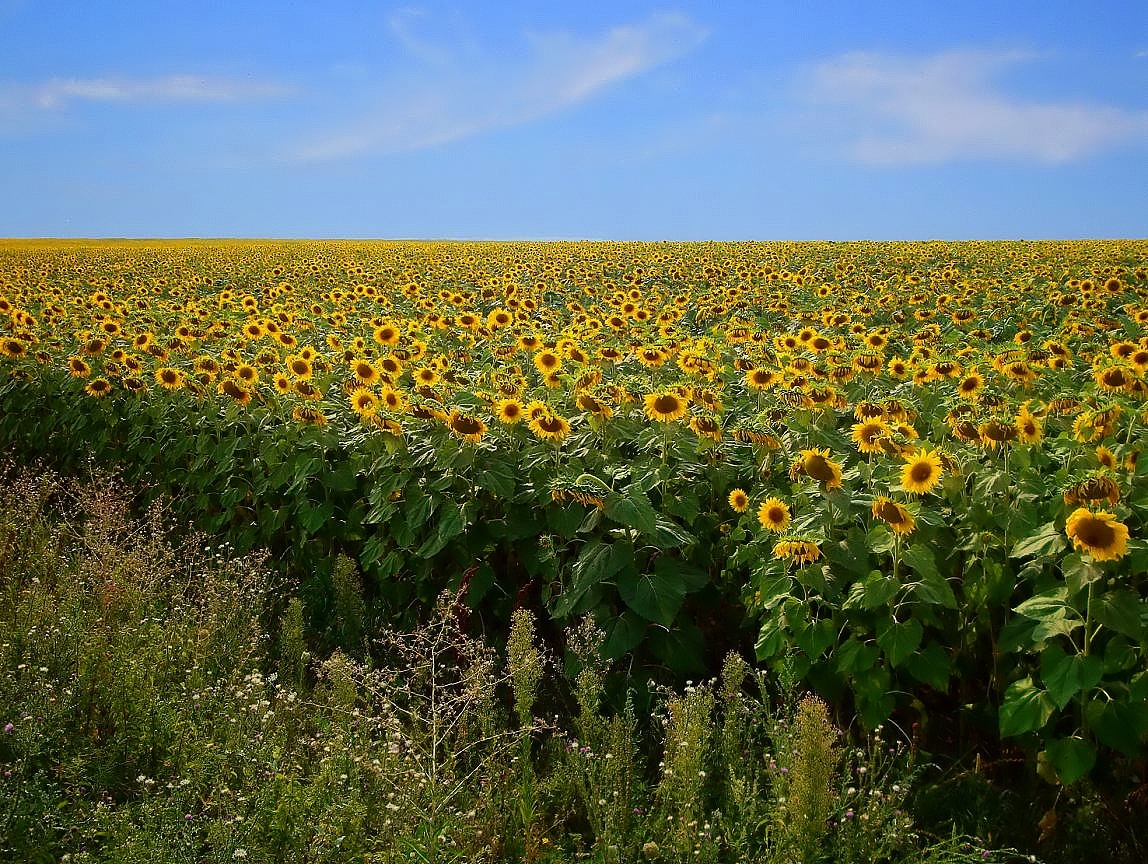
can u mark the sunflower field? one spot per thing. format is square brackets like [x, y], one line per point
[904, 474]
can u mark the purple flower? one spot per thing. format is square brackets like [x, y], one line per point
[8, 727]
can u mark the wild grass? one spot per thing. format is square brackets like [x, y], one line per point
[159, 701]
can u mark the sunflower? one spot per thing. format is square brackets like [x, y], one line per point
[466, 427]
[1098, 487]
[867, 435]
[665, 407]
[593, 407]
[1028, 427]
[921, 472]
[1106, 458]
[78, 368]
[738, 500]
[509, 411]
[894, 515]
[706, 427]
[773, 515]
[971, 386]
[247, 374]
[816, 463]
[392, 400]
[233, 388]
[800, 551]
[281, 383]
[387, 334]
[425, 376]
[1097, 533]
[1114, 379]
[299, 367]
[547, 362]
[550, 427]
[760, 379]
[364, 402]
[98, 388]
[168, 378]
[365, 372]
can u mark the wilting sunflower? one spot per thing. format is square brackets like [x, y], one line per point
[1114, 379]
[707, 427]
[307, 415]
[867, 435]
[665, 407]
[466, 427]
[364, 402]
[235, 389]
[921, 472]
[802, 552]
[773, 515]
[738, 500]
[816, 463]
[1098, 487]
[509, 411]
[98, 388]
[593, 407]
[168, 378]
[1098, 533]
[894, 515]
[550, 427]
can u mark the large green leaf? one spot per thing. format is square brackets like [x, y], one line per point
[1121, 611]
[1071, 758]
[450, 524]
[1065, 675]
[633, 510]
[933, 666]
[655, 597]
[598, 562]
[1046, 540]
[1025, 708]
[899, 639]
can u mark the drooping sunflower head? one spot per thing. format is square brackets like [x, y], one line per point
[1097, 533]
[895, 515]
[816, 463]
[774, 516]
[466, 426]
[921, 472]
[800, 551]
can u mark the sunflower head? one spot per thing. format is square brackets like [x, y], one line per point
[773, 515]
[921, 472]
[899, 519]
[738, 501]
[1097, 533]
[665, 406]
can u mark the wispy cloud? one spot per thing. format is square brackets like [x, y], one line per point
[453, 98]
[948, 107]
[58, 92]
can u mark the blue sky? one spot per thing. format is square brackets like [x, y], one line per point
[740, 120]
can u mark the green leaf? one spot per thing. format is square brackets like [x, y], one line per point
[1065, 675]
[899, 639]
[1121, 611]
[1121, 725]
[814, 638]
[655, 597]
[450, 524]
[933, 666]
[1046, 540]
[565, 519]
[1025, 708]
[633, 510]
[498, 479]
[854, 656]
[879, 590]
[1043, 605]
[598, 562]
[1071, 758]
[669, 567]
[623, 635]
[312, 516]
[920, 558]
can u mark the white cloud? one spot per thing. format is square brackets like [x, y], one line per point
[946, 107]
[456, 97]
[173, 88]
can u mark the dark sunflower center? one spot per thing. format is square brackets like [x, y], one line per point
[1096, 533]
[550, 424]
[891, 513]
[818, 467]
[667, 404]
[467, 426]
[921, 472]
